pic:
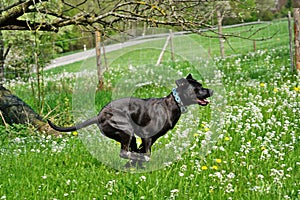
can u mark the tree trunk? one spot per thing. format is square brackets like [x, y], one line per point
[15, 111]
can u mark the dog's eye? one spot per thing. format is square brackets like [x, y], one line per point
[196, 90]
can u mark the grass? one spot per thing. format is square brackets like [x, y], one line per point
[275, 35]
[253, 156]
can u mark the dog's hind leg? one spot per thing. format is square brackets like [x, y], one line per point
[126, 141]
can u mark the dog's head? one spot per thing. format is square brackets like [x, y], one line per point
[192, 92]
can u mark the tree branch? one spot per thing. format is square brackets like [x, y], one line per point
[188, 15]
[15, 11]
[12, 5]
[7, 51]
[24, 25]
[74, 6]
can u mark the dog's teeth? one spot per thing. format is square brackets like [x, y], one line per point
[202, 101]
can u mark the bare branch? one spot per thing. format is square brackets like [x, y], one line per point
[14, 12]
[7, 51]
[187, 15]
[74, 6]
[12, 5]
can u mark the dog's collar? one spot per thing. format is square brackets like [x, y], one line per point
[182, 107]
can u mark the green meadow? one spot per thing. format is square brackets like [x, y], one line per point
[253, 153]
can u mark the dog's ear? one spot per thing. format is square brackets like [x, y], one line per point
[181, 82]
[189, 76]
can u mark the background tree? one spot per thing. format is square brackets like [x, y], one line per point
[109, 17]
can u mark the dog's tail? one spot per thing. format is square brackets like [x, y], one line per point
[86, 123]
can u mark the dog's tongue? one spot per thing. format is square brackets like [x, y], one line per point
[202, 101]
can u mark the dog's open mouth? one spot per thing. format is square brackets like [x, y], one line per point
[202, 102]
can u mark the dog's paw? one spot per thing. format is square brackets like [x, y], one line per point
[135, 156]
[146, 158]
[132, 165]
[140, 157]
[125, 154]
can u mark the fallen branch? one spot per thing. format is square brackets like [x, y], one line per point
[13, 110]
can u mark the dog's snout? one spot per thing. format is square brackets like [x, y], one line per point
[211, 92]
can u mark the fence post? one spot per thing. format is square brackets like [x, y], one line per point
[98, 59]
[104, 57]
[172, 45]
[291, 42]
[297, 36]
[163, 50]
[220, 19]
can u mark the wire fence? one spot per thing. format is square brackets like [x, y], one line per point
[261, 36]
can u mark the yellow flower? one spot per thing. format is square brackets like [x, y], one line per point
[132, 169]
[227, 138]
[138, 141]
[206, 129]
[275, 90]
[215, 167]
[204, 167]
[75, 133]
[218, 160]
[262, 85]
[297, 89]
[196, 135]
[263, 148]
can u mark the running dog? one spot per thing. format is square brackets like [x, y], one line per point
[149, 119]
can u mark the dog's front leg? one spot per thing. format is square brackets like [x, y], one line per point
[129, 150]
[133, 145]
[145, 147]
[127, 142]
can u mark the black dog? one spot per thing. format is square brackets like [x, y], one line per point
[149, 119]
